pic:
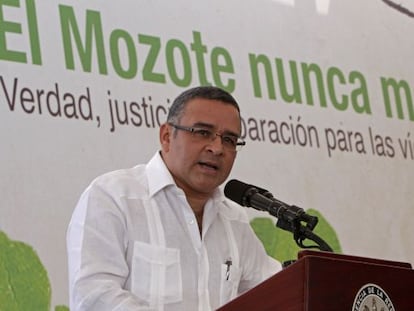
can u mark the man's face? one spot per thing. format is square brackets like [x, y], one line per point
[199, 166]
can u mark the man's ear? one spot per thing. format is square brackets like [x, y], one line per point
[165, 136]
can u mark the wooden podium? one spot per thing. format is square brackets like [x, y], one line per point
[321, 281]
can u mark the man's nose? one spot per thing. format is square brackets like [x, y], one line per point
[216, 144]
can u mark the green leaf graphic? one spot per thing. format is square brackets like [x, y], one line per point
[24, 284]
[280, 243]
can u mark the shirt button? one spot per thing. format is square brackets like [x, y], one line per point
[191, 222]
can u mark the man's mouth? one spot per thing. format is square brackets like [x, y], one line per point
[209, 165]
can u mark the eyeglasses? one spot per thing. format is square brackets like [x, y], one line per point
[230, 141]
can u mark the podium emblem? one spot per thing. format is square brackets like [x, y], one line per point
[371, 297]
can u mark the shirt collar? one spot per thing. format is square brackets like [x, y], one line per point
[158, 174]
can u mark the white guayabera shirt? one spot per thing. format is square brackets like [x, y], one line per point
[134, 244]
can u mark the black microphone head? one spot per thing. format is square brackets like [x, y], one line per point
[239, 192]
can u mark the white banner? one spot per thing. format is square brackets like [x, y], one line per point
[325, 89]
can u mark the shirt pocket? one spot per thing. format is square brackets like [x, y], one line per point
[156, 274]
[230, 279]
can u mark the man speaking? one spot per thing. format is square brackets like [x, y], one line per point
[162, 235]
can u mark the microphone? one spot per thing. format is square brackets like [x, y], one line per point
[262, 200]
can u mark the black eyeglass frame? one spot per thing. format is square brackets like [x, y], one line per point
[193, 130]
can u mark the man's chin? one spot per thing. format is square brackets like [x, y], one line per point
[206, 186]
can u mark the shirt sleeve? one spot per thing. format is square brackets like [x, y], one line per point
[96, 246]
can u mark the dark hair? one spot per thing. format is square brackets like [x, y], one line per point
[205, 92]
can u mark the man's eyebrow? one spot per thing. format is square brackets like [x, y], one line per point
[211, 126]
[202, 124]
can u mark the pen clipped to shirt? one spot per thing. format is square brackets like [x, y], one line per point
[228, 264]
